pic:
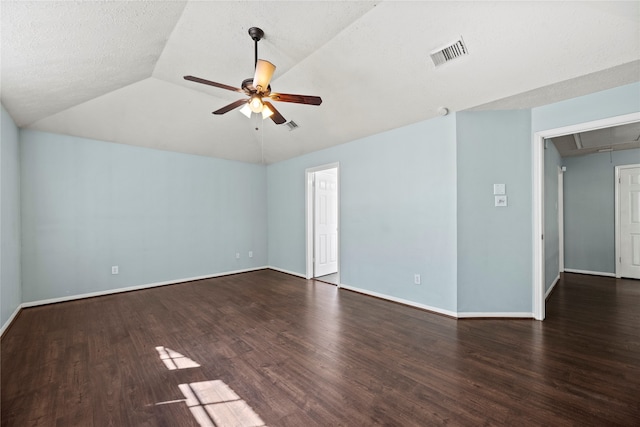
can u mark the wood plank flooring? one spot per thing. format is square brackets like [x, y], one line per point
[304, 353]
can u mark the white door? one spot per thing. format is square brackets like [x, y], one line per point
[629, 199]
[326, 222]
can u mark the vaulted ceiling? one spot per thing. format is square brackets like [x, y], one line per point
[113, 70]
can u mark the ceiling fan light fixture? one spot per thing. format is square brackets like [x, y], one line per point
[257, 88]
[246, 110]
[255, 104]
[266, 112]
[263, 74]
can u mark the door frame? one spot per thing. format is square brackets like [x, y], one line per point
[560, 219]
[537, 147]
[310, 217]
[617, 213]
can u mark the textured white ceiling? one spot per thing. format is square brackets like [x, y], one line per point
[57, 54]
[113, 70]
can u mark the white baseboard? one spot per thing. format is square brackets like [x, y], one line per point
[10, 319]
[135, 288]
[227, 273]
[593, 273]
[399, 300]
[282, 270]
[553, 285]
[458, 315]
[514, 314]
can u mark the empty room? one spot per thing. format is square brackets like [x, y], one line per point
[319, 213]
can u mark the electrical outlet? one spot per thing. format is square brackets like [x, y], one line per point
[416, 279]
[250, 254]
[237, 255]
[114, 269]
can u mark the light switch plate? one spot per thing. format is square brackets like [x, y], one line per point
[499, 189]
[501, 201]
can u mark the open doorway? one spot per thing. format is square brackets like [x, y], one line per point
[539, 283]
[322, 213]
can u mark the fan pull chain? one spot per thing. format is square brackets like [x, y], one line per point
[259, 127]
[262, 143]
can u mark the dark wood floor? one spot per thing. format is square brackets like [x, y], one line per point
[303, 353]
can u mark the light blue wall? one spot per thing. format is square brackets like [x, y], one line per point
[590, 209]
[159, 216]
[397, 212]
[600, 105]
[10, 281]
[494, 243]
[552, 161]
[413, 200]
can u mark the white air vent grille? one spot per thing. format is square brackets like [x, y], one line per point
[292, 125]
[449, 53]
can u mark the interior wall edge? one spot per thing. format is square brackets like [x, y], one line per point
[553, 285]
[592, 273]
[10, 221]
[283, 270]
[401, 301]
[135, 288]
[10, 320]
[501, 314]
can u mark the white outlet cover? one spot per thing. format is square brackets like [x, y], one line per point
[499, 189]
[501, 201]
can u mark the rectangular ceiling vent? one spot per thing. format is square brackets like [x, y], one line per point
[449, 52]
[292, 125]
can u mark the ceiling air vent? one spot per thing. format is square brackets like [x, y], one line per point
[291, 125]
[449, 52]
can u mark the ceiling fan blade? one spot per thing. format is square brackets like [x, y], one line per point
[210, 83]
[262, 77]
[276, 116]
[230, 107]
[298, 99]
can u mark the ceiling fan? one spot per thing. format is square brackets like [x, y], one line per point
[258, 88]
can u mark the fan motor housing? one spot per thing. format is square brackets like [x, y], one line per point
[247, 87]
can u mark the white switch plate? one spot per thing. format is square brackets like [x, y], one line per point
[250, 254]
[114, 269]
[499, 189]
[501, 201]
[237, 255]
[416, 279]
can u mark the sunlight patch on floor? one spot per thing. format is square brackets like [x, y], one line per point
[174, 360]
[212, 403]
